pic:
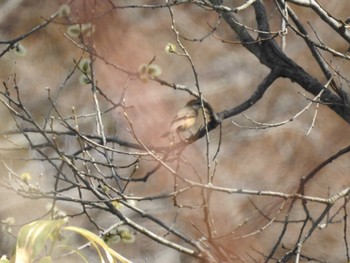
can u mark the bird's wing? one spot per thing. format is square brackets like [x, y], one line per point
[184, 114]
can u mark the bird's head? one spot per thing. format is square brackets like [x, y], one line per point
[195, 104]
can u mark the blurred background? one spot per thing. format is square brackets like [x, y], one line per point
[271, 159]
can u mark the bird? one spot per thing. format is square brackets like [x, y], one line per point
[186, 118]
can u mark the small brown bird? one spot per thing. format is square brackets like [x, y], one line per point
[185, 118]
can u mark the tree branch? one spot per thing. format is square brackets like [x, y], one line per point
[336, 24]
[274, 58]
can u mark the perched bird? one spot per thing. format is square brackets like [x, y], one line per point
[185, 118]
